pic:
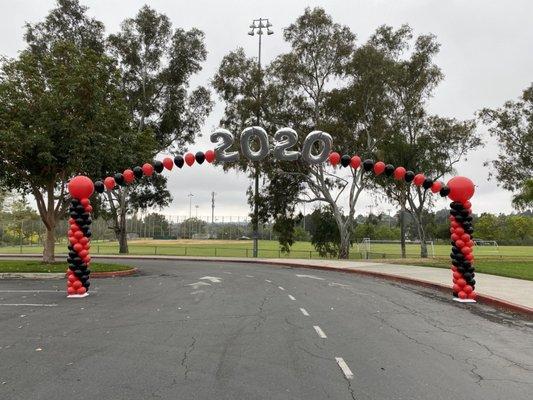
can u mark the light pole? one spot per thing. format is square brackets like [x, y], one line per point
[196, 206]
[258, 27]
[190, 196]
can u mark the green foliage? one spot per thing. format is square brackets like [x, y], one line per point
[191, 226]
[325, 235]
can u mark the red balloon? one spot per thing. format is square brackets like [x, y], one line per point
[148, 169]
[469, 256]
[399, 173]
[77, 247]
[209, 156]
[71, 221]
[455, 224]
[168, 163]
[83, 240]
[459, 230]
[470, 243]
[454, 268]
[72, 278]
[76, 284]
[355, 162]
[334, 158]
[456, 288]
[74, 227]
[461, 282]
[468, 289]
[85, 202]
[379, 167]
[419, 179]
[78, 234]
[466, 250]
[128, 175]
[465, 237]
[436, 187]
[89, 208]
[72, 240]
[83, 253]
[457, 275]
[86, 259]
[472, 295]
[467, 205]
[109, 183]
[454, 237]
[462, 295]
[70, 233]
[460, 244]
[71, 290]
[80, 187]
[461, 189]
[81, 290]
[189, 159]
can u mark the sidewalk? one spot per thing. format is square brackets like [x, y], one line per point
[509, 293]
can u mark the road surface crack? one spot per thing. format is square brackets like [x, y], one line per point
[185, 358]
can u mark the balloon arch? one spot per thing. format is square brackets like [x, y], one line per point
[316, 149]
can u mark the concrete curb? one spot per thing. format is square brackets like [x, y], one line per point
[482, 298]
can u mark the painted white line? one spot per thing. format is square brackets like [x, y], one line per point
[291, 297]
[309, 276]
[280, 288]
[214, 279]
[197, 285]
[266, 280]
[30, 305]
[249, 276]
[304, 312]
[320, 332]
[344, 367]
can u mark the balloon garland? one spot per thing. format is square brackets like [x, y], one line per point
[459, 189]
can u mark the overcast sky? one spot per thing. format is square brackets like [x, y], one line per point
[486, 56]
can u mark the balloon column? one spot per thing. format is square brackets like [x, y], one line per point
[461, 191]
[316, 149]
[79, 236]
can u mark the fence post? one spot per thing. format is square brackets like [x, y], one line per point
[185, 251]
[155, 250]
[247, 253]
[215, 251]
[310, 254]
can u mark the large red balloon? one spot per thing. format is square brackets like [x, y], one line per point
[399, 173]
[355, 162]
[209, 156]
[80, 187]
[109, 183]
[379, 167]
[419, 179]
[148, 169]
[128, 175]
[189, 159]
[168, 163]
[334, 158]
[461, 189]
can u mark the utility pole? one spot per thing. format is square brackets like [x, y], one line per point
[190, 195]
[213, 208]
[196, 206]
[257, 27]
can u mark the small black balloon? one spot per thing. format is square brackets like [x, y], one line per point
[138, 172]
[88, 233]
[80, 209]
[455, 263]
[179, 161]
[409, 176]
[158, 166]
[87, 284]
[444, 191]
[72, 267]
[428, 182]
[345, 160]
[70, 247]
[454, 212]
[458, 218]
[74, 202]
[368, 164]
[456, 250]
[119, 178]
[456, 205]
[78, 273]
[200, 157]
[99, 186]
[389, 169]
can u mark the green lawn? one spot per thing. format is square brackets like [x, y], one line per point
[37, 266]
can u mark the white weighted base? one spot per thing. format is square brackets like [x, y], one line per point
[464, 300]
[77, 296]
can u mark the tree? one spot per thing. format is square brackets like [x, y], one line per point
[192, 226]
[156, 64]
[60, 110]
[512, 126]
[325, 235]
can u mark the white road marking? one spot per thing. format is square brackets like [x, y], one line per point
[30, 305]
[304, 312]
[291, 297]
[337, 284]
[309, 276]
[280, 288]
[266, 280]
[195, 292]
[214, 279]
[320, 332]
[344, 367]
[197, 285]
[249, 276]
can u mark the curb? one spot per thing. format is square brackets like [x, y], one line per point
[481, 298]
[61, 275]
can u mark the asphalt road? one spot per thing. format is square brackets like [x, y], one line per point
[190, 330]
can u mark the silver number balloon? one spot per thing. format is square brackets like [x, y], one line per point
[284, 139]
[225, 140]
[247, 135]
[307, 148]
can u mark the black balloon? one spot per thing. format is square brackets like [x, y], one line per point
[74, 202]
[99, 186]
[88, 233]
[428, 182]
[179, 161]
[138, 172]
[78, 273]
[345, 160]
[444, 191]
[389, 169]
[368, 164]
[409, 176]
[119, 178]
[200, 157]
[158, 166]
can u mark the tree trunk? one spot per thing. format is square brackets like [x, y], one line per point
[402, 231]
[422, 237]
[344, 248]
[49, 246]
[122, 234]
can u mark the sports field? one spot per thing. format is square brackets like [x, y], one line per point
[512, 261]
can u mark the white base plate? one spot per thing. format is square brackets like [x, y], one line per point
[77, 296]
[464, 300]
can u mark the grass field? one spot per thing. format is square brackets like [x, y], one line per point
[37, 266]
[511, 261]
